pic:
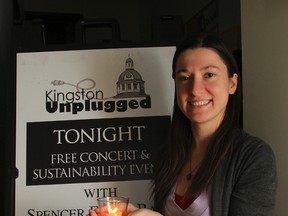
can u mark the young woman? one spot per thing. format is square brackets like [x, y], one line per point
[211, 167]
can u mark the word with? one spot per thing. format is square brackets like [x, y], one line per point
[100, 192]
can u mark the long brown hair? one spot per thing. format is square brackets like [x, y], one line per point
[178, 151]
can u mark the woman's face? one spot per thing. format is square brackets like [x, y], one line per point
[203, 86]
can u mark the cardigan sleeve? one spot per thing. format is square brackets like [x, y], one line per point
[254, 180]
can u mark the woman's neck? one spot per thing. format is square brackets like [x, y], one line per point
[202, 132]
[202, 135]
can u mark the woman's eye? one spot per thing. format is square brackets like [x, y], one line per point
[209, 75]
[183, 78]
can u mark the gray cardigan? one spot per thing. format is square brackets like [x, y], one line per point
[245, 182]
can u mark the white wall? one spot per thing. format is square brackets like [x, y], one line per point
[265, 72]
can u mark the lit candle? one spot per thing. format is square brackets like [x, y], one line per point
[114, 212]
[113, 206]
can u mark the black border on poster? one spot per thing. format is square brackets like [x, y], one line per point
[89, 46]
[10, 146]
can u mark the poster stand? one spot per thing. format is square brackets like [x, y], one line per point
[89, 121]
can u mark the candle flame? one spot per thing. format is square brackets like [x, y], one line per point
[114, 210]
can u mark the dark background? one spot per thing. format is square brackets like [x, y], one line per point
[55, 24]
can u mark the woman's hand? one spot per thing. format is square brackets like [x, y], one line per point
[144, 212]
[131, 211]
[92, 212]
[96, 212]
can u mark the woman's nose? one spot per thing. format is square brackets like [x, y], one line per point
[196, 87]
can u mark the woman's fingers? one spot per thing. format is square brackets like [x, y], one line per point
[131, 208]
[144, 212]
[92, 212]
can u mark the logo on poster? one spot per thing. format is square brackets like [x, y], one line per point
[130, 95]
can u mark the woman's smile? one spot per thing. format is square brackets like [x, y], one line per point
[199, 103]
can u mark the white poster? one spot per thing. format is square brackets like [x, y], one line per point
[88, 125]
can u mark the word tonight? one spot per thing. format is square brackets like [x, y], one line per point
[108, 134]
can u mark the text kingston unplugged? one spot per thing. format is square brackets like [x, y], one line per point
[75, 102]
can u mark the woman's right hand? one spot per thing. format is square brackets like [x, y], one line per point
[131, 211]
[144, 212]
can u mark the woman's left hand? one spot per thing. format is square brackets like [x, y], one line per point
[130, 209]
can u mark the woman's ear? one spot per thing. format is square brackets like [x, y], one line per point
[233, 83]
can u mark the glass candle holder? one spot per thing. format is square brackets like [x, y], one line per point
[113, 206]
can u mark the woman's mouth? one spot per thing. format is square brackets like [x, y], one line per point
[199, 103]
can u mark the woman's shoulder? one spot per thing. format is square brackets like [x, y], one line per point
[247, 146]
[245, 140]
